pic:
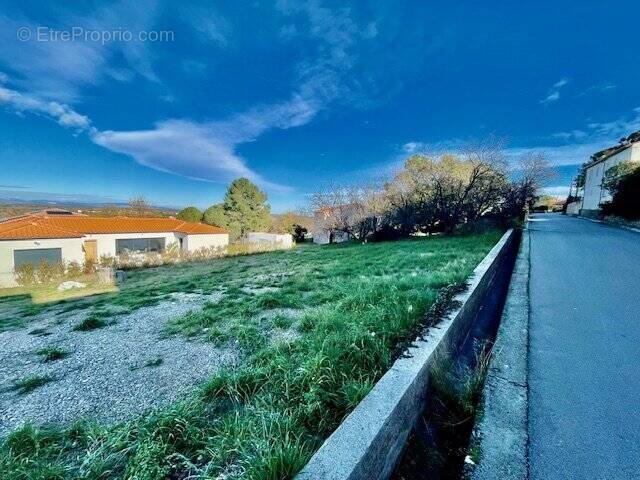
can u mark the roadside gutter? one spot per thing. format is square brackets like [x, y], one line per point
[500, 438]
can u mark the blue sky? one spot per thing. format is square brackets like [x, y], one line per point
[296, 94]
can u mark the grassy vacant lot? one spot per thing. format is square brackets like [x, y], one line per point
[318, 327]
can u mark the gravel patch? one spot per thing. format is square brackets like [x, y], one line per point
[259, 290]
[272, 276]
[293, 313]
[111, 373]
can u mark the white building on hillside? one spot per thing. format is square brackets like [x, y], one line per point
[324, 218]
[602, 161]
[63, 236]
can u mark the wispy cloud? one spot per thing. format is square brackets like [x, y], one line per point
[207, 151]
[60, 70]
[554, 92]
[210, 26]
[11, 194]
[575, 134]
[561, 83]
[560, 191]
[603, 88]
[579, 144]
[61, 113]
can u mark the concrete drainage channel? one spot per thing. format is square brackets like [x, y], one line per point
[371, 443]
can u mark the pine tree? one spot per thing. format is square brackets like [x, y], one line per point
[243, 210]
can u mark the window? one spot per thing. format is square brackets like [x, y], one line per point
[36, 255]
[139, 245]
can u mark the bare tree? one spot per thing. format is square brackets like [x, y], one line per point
[139, 206]
[348, 210]
[533, 172]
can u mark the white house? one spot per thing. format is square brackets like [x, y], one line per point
[602, 161]
[63, 236]
[329, 216]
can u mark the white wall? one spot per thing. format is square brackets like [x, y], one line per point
[71, 251]
[594, 194]
[107, 241]
[322, 236]
[285, 240]
[192, 243]
[573, 208]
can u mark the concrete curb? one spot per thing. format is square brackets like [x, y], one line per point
[369, 442]
[501, 434]
[611, 224]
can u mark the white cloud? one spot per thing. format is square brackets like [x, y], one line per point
[63, 114]
[572, 134]
[552, 97]
[561, 83]
[560, 191]
[554, 92]
[569, 154]
[209, 25]
[204, 151]
[193, 67]
[207, 151]
[607, 87]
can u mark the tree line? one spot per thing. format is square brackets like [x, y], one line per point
[432, 194]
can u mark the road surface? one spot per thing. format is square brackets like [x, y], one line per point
[584, 350]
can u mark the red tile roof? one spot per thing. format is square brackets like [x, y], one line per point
[43, 225]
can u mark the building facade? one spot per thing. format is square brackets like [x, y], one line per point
[58, 236]
[594, 194]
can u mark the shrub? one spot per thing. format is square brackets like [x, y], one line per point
[90, 323]
[172, 253]
[89, 266]
[190, 214]
[74, 270]
[299, 233]
[49, 272]
[25, 275]
[108, 261]
[626, 199]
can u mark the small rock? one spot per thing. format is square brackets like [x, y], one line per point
[70, 284]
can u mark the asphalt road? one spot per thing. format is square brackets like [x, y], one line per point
[584, 358]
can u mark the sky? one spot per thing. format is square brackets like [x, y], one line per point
[104, 101]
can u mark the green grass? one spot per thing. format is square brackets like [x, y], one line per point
[51, 354]
[351, 306]
[26, 385]
[92, 322]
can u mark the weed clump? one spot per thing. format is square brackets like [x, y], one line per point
[90, 323]
[26, 385]
[51, 354]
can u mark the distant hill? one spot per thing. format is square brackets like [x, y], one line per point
[10, 209]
